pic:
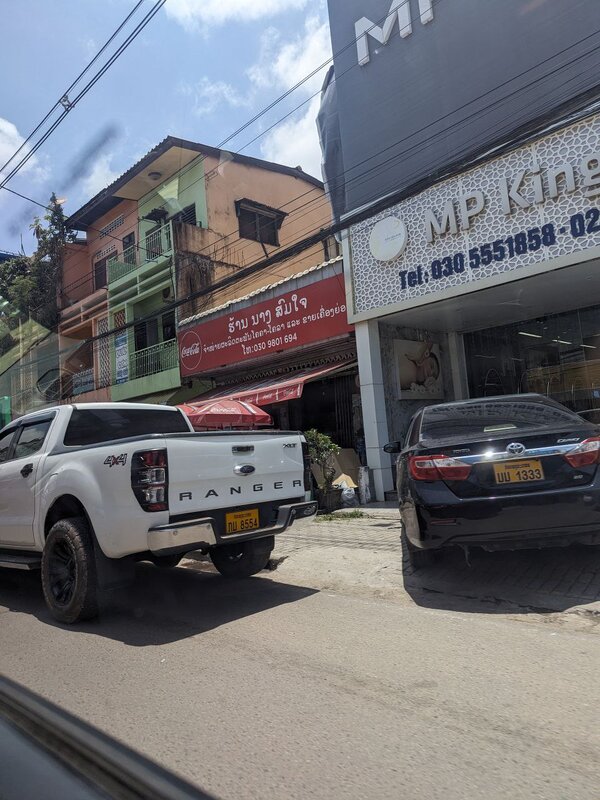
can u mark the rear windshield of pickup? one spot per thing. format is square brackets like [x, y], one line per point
[95, 426]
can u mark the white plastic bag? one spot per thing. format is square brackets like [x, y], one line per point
[349, 498]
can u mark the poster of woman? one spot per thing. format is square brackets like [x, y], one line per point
[419, 370]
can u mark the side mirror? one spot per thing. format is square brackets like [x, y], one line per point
[393, 448]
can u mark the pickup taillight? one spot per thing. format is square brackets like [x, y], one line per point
[150, 479]
[307, 468]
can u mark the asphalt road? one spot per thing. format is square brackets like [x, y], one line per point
[264, 689]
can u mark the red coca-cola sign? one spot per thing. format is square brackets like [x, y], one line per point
[312, 314]
[190, 350]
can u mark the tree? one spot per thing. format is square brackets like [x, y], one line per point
[322, 451]
[31, 282]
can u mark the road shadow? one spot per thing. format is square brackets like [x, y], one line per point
[161, 606]
[522, 581]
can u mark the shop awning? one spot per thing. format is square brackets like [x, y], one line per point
[269, 391]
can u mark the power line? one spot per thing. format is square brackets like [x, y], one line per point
[265, 110]
[132, 36]
[285, 255]
[351, 43]
[323, 234]
[224, 237]
[366, 214]
[72, 86]
[320, 199]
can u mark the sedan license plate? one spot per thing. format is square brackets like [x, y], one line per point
[519, 471]
[241, 521]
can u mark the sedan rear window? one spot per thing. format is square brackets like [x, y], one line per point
[94, 426]
[484, 417]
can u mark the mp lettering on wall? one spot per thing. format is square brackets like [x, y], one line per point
[535, 205]
[424, 85]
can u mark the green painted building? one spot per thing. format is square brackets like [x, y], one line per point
[141, 281]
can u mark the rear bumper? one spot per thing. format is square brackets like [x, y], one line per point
[521, 540]
[548, 519]
[204, 532]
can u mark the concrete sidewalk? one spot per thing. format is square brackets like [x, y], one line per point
[365, 554]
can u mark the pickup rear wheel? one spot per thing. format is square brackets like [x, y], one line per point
[242, 559]
[69, 571]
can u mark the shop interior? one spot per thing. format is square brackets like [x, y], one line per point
[330, 405]
[537, 334]
[558, 356]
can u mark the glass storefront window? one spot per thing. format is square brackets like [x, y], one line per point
[557, 356]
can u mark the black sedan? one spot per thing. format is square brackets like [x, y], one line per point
[502, 473]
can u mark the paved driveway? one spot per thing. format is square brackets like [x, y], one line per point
[555, 579]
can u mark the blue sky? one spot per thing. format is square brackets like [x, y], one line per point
[199, 70]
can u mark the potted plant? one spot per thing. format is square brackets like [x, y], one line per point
[322, 451]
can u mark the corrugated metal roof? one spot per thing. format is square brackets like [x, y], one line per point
[263, 290]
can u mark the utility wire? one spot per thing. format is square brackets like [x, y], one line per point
[352, 43]
[132, 36]
[320, 199]
[224, 237]
[322, 233]
[72, 86]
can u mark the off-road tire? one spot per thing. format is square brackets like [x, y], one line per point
[242, 559]
[418, 559]
[69, 571]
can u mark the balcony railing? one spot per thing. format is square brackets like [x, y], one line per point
[83, 382]
[155, 246]
[151, 360]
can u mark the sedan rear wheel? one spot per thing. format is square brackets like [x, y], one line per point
[418, 559]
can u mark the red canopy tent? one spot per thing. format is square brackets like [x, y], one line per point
[218, 414]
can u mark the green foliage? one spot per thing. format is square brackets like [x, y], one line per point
[30, 283]
[322, 450]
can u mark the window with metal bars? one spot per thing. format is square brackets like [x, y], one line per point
[187, 215]
[258, 222]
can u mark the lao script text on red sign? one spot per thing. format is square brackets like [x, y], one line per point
[312, 314]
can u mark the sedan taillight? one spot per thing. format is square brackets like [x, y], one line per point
[150, 479]
[585, 454]
[438, 468]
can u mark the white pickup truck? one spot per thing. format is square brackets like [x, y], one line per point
[87, 490]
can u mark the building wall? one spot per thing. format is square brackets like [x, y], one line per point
[218, 249]
[76, 278]
[175, 194]
[98, 243]
[77, 272]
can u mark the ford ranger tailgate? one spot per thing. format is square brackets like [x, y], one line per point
[211, 471]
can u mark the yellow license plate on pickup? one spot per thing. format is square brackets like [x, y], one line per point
[241, 521]
[519, 471]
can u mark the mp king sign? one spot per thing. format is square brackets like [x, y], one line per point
[425, 84]
[531, 210]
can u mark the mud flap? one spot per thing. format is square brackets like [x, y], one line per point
[113, 573]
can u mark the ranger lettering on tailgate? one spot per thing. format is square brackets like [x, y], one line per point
[258, 487]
